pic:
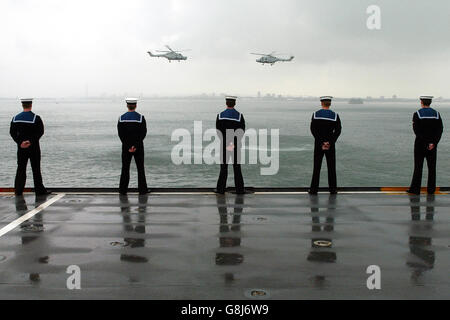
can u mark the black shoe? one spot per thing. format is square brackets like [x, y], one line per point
[123, 193]
[45, 193]
[216, 191]
[409, 191]
[333, 192]
[143, 191]
[312, 192]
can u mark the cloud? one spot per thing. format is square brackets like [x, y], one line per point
[56, 48]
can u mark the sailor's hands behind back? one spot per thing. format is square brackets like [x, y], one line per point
[230, 147]
[326, 146]
[132, 149]
[25, 144]
[431, 146]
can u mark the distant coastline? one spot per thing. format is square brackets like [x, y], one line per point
[220, 98]
[356, 101]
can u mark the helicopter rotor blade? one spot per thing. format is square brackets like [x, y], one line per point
[169, 48]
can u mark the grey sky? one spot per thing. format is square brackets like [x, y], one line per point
[55, 48]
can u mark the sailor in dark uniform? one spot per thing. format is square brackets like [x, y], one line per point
[326, 129]
[132, 129]
[428, 127]
[233, 122]
[26, 130]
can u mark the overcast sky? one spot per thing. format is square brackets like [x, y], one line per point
[54, 48]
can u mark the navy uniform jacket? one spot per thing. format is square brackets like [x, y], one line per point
[326, 126]
[230, 119]
[27, 126]
[428, 127]
[132, 129]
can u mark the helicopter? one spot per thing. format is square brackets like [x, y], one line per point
[271, 58]
[169, 55]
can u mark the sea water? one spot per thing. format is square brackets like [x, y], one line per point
[81, 148]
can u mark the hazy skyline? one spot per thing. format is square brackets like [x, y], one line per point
[57, 48]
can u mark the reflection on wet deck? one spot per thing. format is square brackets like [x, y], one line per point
[223, 247]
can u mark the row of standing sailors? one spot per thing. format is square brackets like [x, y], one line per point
[27, 128]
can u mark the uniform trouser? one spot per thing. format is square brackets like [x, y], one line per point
[125, 176]
[420, 154]
[238, 178]
[331, 163]
[34, 154]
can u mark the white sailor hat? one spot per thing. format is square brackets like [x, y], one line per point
[131, 100]
[231, 98]
[26, 100]
[323, 98]
[426, 97]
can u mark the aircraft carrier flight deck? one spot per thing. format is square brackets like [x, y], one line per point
[192, 244]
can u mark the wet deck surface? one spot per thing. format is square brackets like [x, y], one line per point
[208, 247]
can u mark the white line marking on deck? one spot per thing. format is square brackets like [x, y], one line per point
[30, 214]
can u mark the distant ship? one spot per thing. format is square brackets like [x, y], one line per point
[356, 101]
